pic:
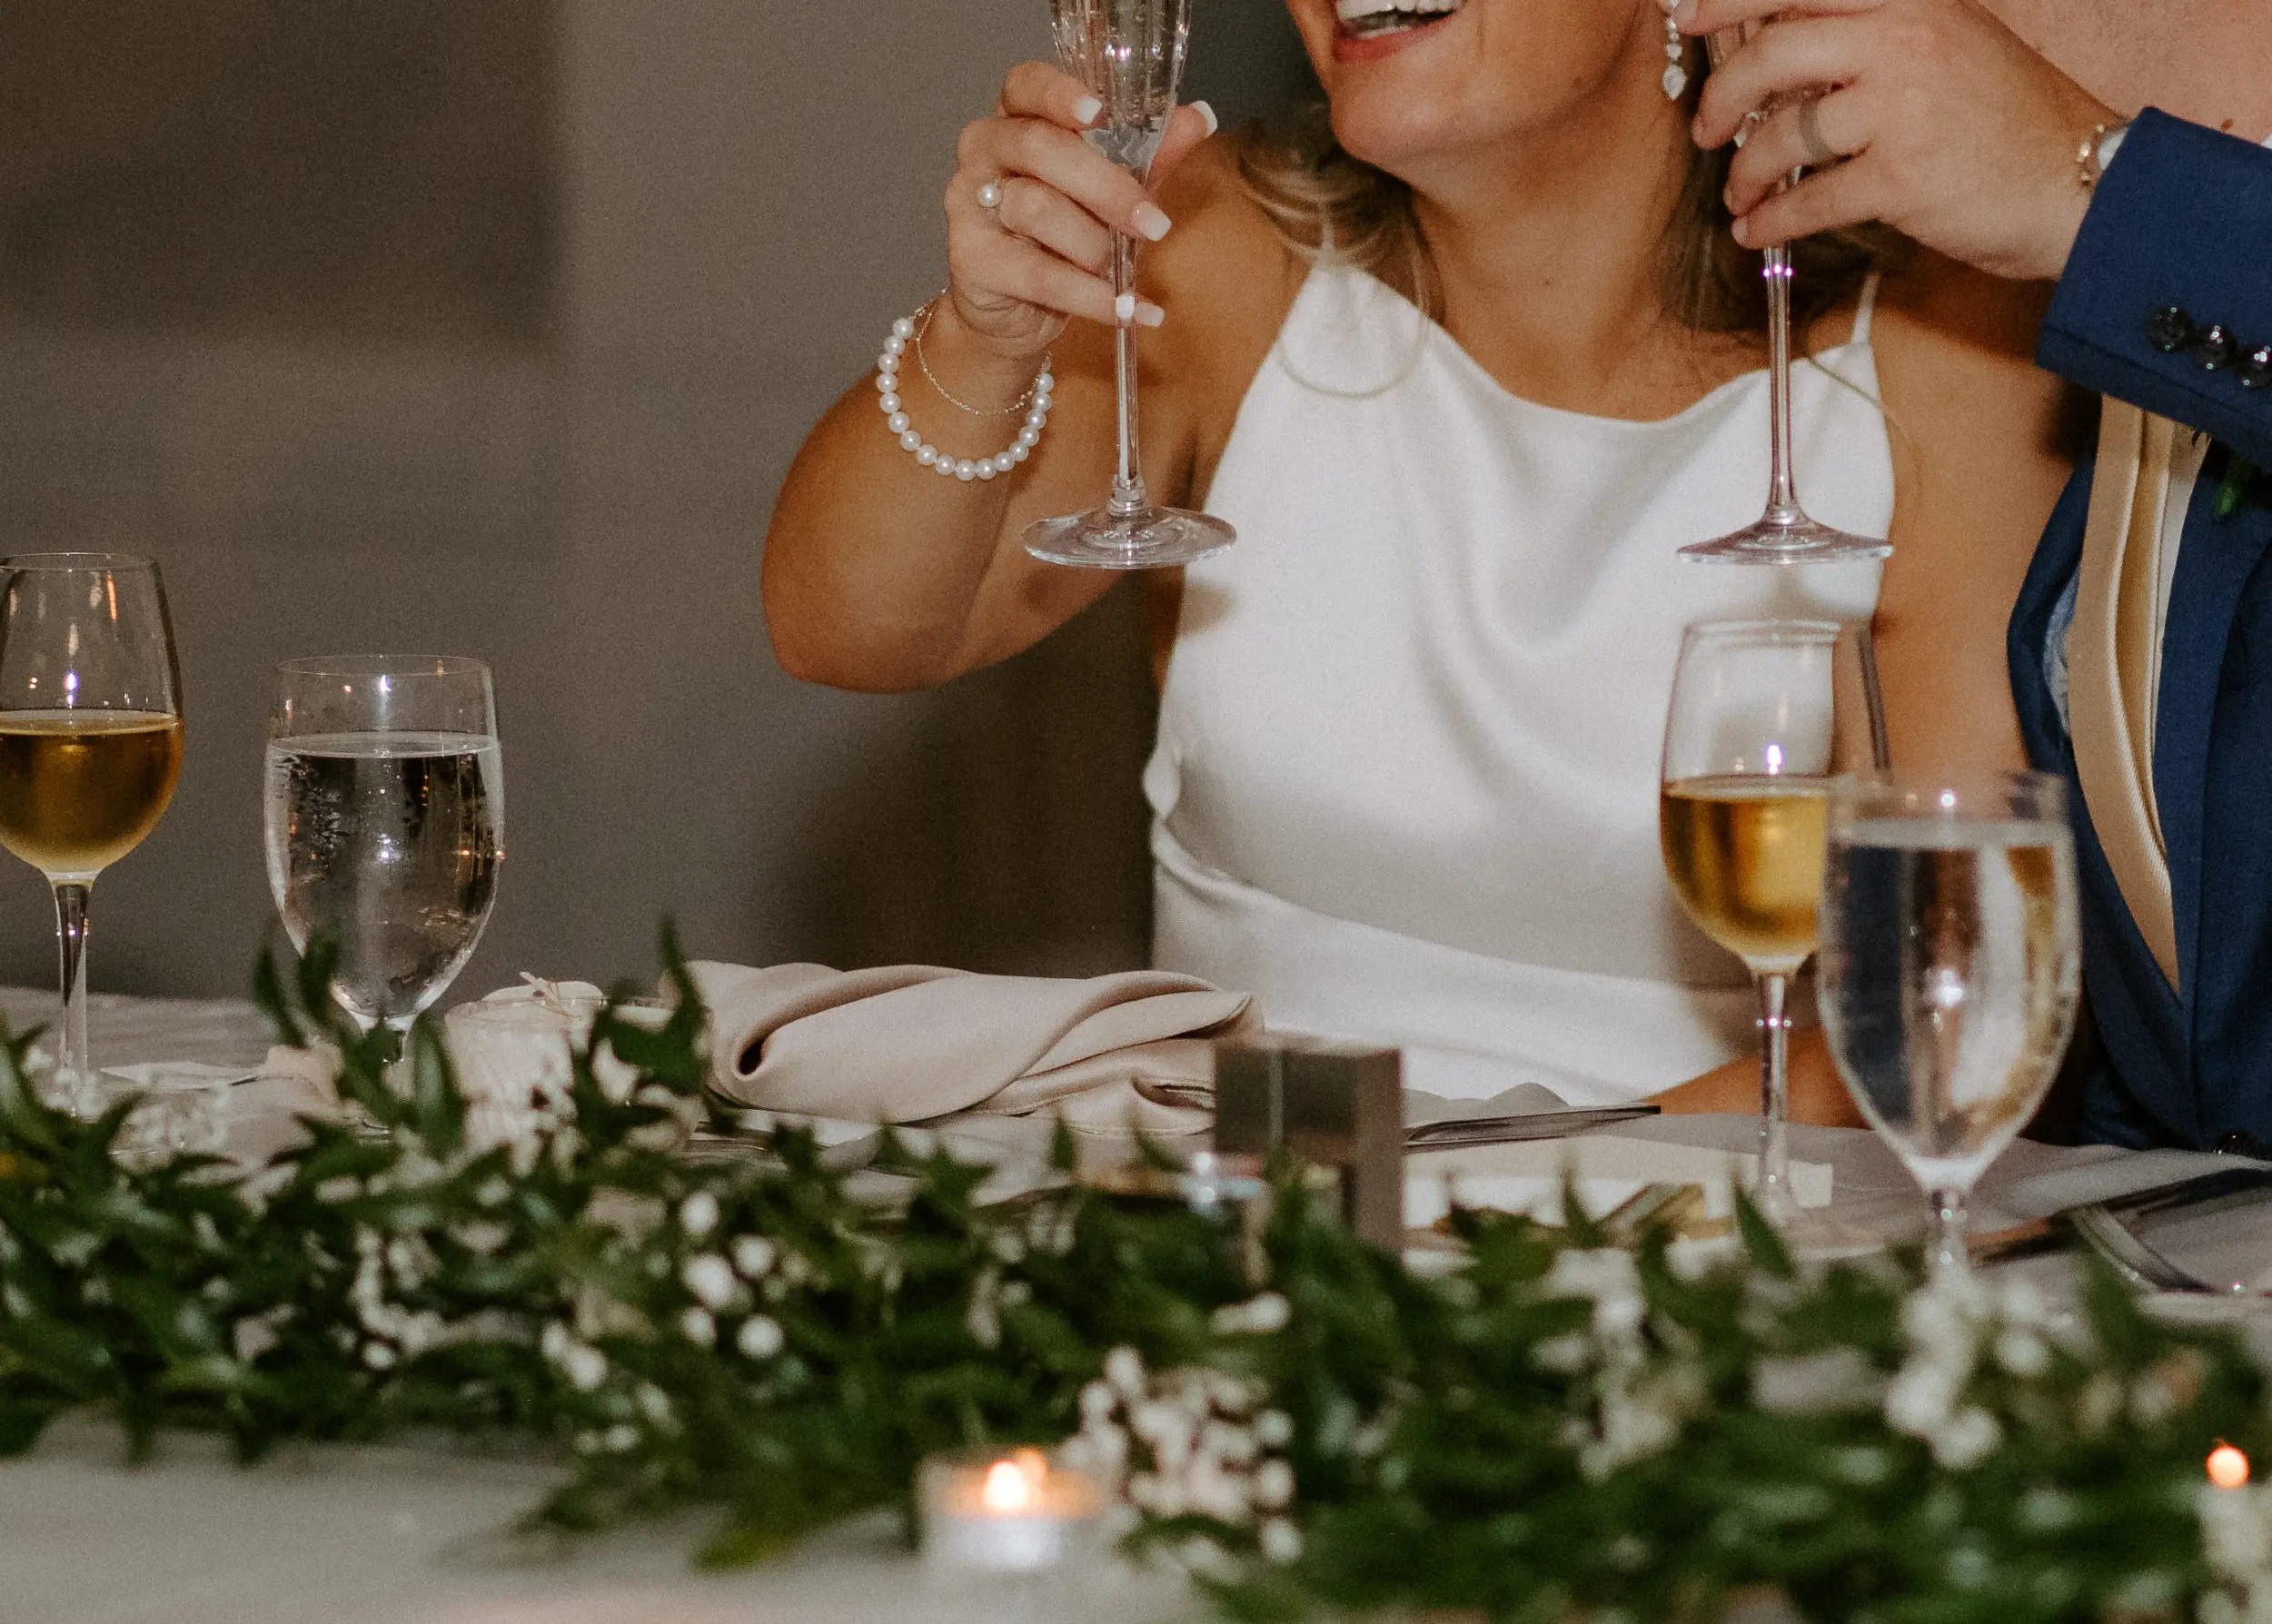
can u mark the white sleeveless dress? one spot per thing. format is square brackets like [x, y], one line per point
[1406, 782]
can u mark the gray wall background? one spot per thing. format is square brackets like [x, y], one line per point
[404, 325]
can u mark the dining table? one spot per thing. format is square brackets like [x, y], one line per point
[433, 1531]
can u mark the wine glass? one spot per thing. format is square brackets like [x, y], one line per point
[1130, 54]
[385, 813]
[1783, 534]
[1765, 715]
[1951, 969]
[90, 745]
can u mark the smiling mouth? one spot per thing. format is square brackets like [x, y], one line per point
[1372, 19]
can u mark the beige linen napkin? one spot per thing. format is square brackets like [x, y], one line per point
[912, 1042]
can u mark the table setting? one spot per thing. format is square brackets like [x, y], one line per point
[770, 1292]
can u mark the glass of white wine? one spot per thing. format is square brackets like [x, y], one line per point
[90, 745]
[1951, 969]
[1765, 715]
[385, 815]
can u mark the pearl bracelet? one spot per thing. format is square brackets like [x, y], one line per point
[929, 455]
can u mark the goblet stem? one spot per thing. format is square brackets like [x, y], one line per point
[1947, 1250]
[1782, 497]
[73, 1070]
[1128, 495]
[1773, 1194]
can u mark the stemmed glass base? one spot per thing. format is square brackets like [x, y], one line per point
[1788, 538]
[1147, 538]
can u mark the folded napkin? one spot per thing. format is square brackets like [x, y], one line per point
[913, 1044]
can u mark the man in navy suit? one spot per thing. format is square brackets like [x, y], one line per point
[2141, 643]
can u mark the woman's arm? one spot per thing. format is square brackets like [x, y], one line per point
[879, 573]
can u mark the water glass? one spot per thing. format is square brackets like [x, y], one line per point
[1950, 969]
[385, 813]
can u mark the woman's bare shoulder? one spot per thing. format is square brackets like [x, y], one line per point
[1224, 274]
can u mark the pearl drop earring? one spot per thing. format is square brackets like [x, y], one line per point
[1675, 54]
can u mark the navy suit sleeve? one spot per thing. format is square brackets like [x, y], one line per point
[2182, 222]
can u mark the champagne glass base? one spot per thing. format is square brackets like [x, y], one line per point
[1147, 538]
[1797, 539]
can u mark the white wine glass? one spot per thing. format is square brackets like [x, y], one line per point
[1783, 534]
[90, 746]
[1765, 714]
[1130, 53]
[1951, 969]
[385, 815]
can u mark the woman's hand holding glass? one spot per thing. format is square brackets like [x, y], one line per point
[1043, 252]
[1950, 127]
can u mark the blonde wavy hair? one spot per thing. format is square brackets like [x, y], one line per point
[1335, 208]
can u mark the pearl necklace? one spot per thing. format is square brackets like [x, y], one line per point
[903, 333]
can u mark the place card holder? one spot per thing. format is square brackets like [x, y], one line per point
[1340, 1106]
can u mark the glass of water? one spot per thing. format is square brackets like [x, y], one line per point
[385, 810]
[1950, 969]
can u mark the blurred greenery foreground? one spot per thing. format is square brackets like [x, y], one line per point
[1555, 1430]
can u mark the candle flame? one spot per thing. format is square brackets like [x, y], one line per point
[2228, 1467]
[1014, 1485]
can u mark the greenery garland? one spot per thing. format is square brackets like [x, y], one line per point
[1556, 1428]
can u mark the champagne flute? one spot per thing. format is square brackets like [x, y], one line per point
[385, 811]
[1951, 969]
[1764, 713]
[90, 745]
[1130, 54]
[1783, 534]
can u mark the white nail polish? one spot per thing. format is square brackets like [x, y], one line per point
[1087, 109]
[1125, 308]
[1151, 223]
[1208, 113]
[1150, 315]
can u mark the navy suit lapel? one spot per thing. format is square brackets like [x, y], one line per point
[2213, 568]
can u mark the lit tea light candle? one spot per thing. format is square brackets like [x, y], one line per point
[1018, 1512]
[2228, 1466]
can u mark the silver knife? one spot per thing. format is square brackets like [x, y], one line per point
[1454, 1132]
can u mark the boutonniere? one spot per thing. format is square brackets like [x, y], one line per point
[2241, 474]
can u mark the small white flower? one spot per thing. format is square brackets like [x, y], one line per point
[1281, 1542]
[1259, 1316]
[1124, 1367]
[1274, 1486]
[1919, 1401]
[553, 1340]
[585, 1367]
[754, 1256]
[653, 1402]
[2023, 1353]
[711, 1280]
[1099, 1402]
[1969, 1438]
[697, 1326]
[759, 1337]
[621, 1438]
[1565, 1355]
[378, 1356]
[1275, 1427]
[697, 1213]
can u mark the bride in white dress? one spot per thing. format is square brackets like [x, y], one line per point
[1465, 376]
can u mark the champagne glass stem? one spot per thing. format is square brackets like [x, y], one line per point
[72, 1068]
[1782, 500]
[1776, 1202]
[1947, 1250]
[1128, 495]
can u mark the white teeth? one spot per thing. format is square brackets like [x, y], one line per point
[1351, 11]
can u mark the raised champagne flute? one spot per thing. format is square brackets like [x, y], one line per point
[1951, 969]
[385, 813]
[90, 746]
[1130, 54]
[1765, 715]
[1783, 534]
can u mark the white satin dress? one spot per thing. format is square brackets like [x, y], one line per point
[1405, 789]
